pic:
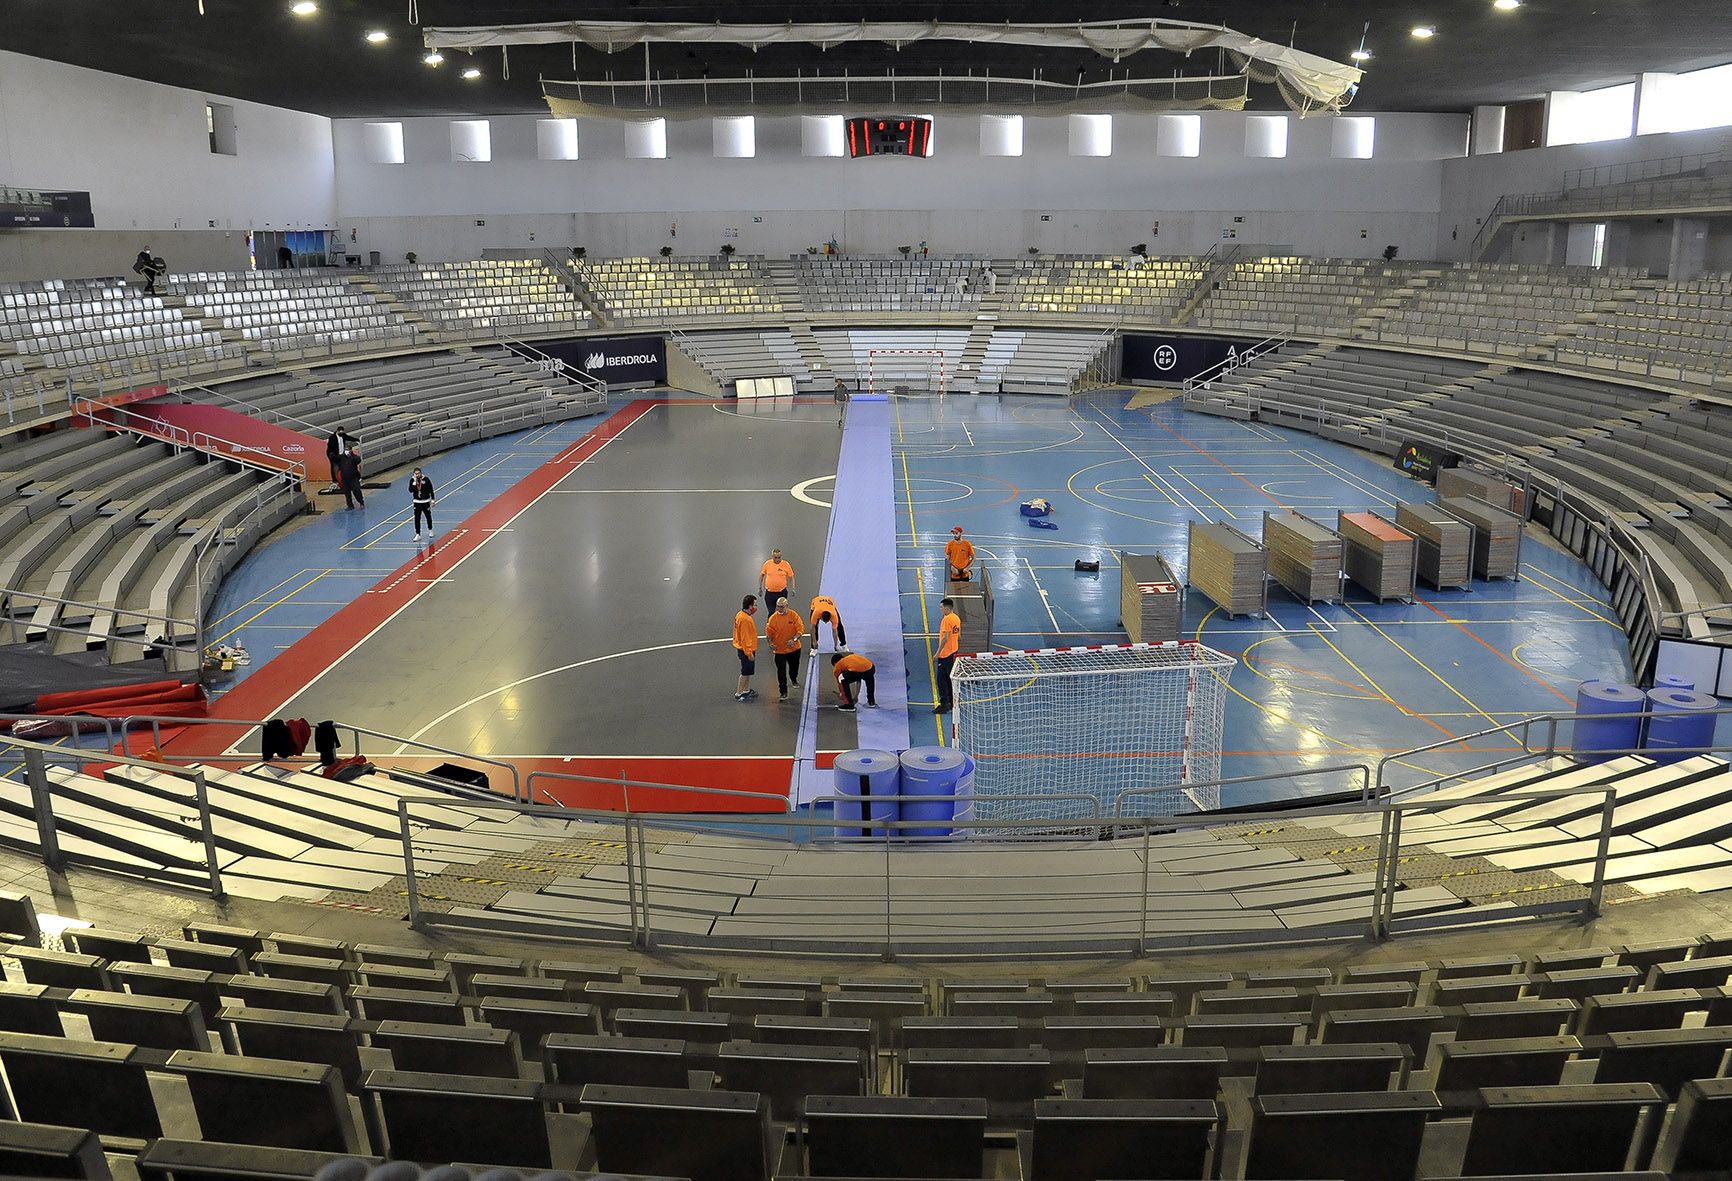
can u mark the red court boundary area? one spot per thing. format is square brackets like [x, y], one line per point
[263, 694]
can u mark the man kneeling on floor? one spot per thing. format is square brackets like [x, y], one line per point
[852, 669]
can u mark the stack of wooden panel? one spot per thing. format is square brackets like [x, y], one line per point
[1150, 603]
[1380, 556]
[974, 608]
[1497, 537]
[1472, 484]
[1304, 557]
[1228, 567]
[1445, 544]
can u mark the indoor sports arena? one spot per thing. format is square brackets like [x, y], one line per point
[756, 591]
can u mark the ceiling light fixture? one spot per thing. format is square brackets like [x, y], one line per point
[472, 73]
[1506, 5]
[304, 8]
[376, 36]
[1360, 55]
[433, 58]
[1424, 32]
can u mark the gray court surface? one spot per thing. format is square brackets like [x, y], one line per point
[599, 623]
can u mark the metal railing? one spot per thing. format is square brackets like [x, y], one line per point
[143, 426]
[251, 409]
[37, 756]
[780, 799]
[554, 366]
[1358, 770]
[1233, 364]
[155, 723]
[1636, 170]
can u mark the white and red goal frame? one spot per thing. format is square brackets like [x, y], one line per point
[872, 369]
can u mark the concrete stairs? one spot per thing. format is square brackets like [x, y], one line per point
[1367, 325]
[425, 332]
[785, 283]
[571, 274]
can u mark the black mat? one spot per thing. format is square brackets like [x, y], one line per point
[29, 670]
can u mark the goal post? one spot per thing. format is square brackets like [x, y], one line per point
[886, 368]
[1077, 728]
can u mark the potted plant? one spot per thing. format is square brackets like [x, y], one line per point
[578, 252]
[1141, 250]
[410, 258]
[727, 250]
[811, 250]
[1034, 250]
[906, 250]
[667, 251]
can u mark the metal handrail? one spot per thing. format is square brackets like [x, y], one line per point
[36, 756]
[785, 804]
[552, 364]
[1361, 769]
[1207, 377]
[157, 721]
[256, 411]
[175, 435]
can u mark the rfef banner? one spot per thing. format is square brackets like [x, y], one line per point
[616, 360]
[45, 209]
[1423, 461]
[1176, 358]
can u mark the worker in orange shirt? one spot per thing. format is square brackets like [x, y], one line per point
[959, 552]
[852, 669]
[949, 641]
[784, 629]
[746, 646]
[824, 610]
[775, 579]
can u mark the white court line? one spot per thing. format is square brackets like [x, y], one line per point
[510, 685]
[1041, 590]
[416, 597]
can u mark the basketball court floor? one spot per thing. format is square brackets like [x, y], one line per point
[573, 614]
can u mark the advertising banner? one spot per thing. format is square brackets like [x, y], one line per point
[1423, 461]
[22, 209]
[229, 432]
[1175, 359]
[616, 360]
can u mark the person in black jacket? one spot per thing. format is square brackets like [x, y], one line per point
[421, 496]
[349, 469]
[334, 448]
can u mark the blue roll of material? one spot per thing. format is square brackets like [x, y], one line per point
[872, 779]
[1674, 682]
[965, 788]
[930, 771]
[1679, 721]
[1596, 735]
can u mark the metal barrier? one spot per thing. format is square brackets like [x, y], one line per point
[782, 801]
[156, 723]
[36, 757]
[1360, 770]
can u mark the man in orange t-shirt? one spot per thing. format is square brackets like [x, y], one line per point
[852, 669]
[824, 610]
[784, 630]
[959, 552]
[775, 579]
[949, 641]
[746, 646]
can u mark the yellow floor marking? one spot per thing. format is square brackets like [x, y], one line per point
[267, 610]
[1441, 679]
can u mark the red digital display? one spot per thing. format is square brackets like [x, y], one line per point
[907, 136]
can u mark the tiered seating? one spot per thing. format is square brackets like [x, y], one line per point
[1564, 1061]
[492, 296]
[102, 327]
[1675, 331]
[1154, 289]
[849, 353]
[401, 408]
[1019, 362]
[835, 284]
[116, 526]
[1504, 308]
[730, 356]
[286, 311]
[1322, 296]
[639, 290]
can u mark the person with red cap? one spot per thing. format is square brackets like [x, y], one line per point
[960, 554]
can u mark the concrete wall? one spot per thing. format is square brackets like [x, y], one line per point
[142, 152]
[958, 201]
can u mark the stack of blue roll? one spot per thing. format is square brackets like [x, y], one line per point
[1680, 721]
[872, 779]
[1595, 735]
[932, 771]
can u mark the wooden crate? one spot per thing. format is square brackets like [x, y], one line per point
[1228, 567]
[1381, 556]
[1304, 557]
[1445, 544]
[1151, 599]
[1457, 483]
[1497, 541]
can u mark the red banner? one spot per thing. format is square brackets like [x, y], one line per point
[229, 432]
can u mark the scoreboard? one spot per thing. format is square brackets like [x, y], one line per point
[901, 135]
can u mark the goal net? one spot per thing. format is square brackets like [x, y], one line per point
[920, 369]
[1058, 733]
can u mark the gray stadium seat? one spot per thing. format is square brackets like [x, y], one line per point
[43, 1150]
[448, 1117]
[79, 1084]
[785, 1075]
[450, 1049]
[575, 1060]
[701, 1135]
[894, 1136]
[323, 1038]
[1154, 1072]
[1317, 1070]
[1698, 1137]
[1369, 1136]
[267, 1101]
[1089, 1139]
[1567, 1129]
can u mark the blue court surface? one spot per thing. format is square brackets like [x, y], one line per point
[1315, 686]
